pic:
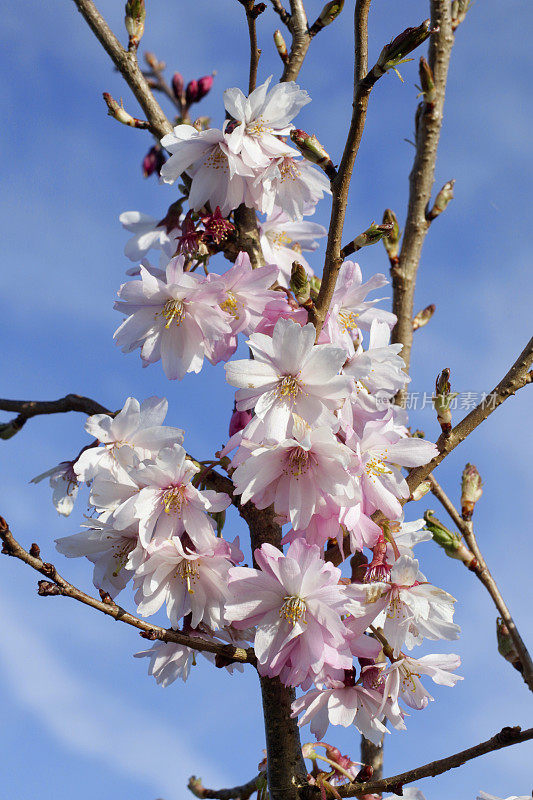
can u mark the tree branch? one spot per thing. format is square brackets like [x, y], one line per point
[126, 63]
[235, 793]
[341, 184]
[56, 584]
[297, 25]
[283, 14]
[517, 377]
[506, 737]
[484, 575]
[421, 180]
[254, 50]
[27, 409]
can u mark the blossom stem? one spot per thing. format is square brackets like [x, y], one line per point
[484, 575]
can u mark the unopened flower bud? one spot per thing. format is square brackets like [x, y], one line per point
[178, 85]
[134, 21]
[204, 86]
[153, 161]
[471, 490]
[238, 422]
[312, 150]
[372, 235]
[459, 9]
[423, 317]
[427, 82]
[281, 46]
[315, 283]
[192, 92]
[394, 53]
[329, 14]
[421, 490]
[506, 646]
[441, 400]
[441, 200]
[300, 283]
[391, 242]
[450, 542]
[153, 63]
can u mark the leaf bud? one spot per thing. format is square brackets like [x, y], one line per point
[394, 53]
[391, 242]
[459, 9]
[427, 82]
[441, 200]
[329, 14]
[441, 400]
[300, 283]
[506, 646]
[312, 150]
[421, 490]
[281, 46]
[471, 490]
[134, 21]
[423, 317]
[450, 542]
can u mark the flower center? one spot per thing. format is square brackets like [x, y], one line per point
[189, 572]
[173, 311]
[121, 553]
[408, 679]
[297, 461]
[288, 386]
[258, 127]
[348, 320]
[376, 466]
[173, 499]
[280, 239]
[293, 609]
[288, 170]
[230, 305]
[216, 159]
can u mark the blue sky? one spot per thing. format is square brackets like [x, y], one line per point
[80, 717]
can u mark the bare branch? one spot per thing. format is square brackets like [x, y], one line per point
[297, 25]
[506, 737]
[429, 123]
[32, 408]
[255, 53]
[55, 581]
[283, 14]
[126, 63]
[341, 183]
[517, 377]
[484, 575]
[236, 793]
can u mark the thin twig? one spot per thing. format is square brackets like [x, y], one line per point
[297, 25]
[235, 793]
[27, 409]
[283, 14]
[54, 579]
[429, 123]
[127, 65]
[254, 50]
[506, 737]
[518, 376]
[484, 575]
[341, 184]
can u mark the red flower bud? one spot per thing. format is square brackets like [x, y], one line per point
[204, 86]
[177, 85]
[191, 93]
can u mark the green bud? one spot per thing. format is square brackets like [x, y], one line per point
[441, 201]
[312, 150]
[506, 646]
[315, 283]
[300, 283]
[441, 400]
[459, 9]
[372, 235]
[423, 317]
[392, 241]
[281, 46]
[329, 14]
[134, 21]
[394, 53]
[421, 490]
[427, 82]
[450, 542]
[471, 490]
[219, 518]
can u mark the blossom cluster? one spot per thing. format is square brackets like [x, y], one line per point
[314, 435]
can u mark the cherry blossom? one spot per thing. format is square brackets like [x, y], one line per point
[64, 482]
[282, 240]
[148, 234]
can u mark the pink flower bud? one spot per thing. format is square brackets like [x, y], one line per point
[153, 161]
[239, 420]
[191, 93]
[204, 86]
[177, 85]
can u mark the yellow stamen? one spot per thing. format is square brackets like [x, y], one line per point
[230, 305]
[297, 462]
[189, 572]
[293, 609]
[288, 386]
[348, 320]
[173, 499]
[173, 311]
